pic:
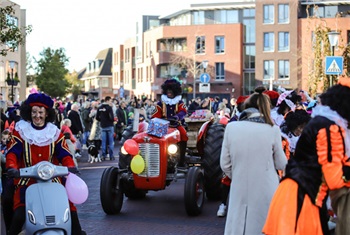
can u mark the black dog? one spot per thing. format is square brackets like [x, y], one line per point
[93, 151]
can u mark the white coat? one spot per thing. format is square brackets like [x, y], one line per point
[251, 153]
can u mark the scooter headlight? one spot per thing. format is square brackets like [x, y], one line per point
[66, 215]
[172, 149]
[31, 217]
[45, 171]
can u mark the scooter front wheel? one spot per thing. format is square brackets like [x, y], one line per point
[111, 193]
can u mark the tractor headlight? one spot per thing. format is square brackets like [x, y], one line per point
[45, 171]
[124, 152]
[172, 149]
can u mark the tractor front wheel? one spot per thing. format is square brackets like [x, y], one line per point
[111, 193]
[194, 191]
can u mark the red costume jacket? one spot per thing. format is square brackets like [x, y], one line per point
[175, 110]
[28, 146]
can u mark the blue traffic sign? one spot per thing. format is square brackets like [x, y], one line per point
[334, 65]
[204, 78]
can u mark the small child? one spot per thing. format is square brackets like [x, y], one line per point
[7, 187]
[69, 137]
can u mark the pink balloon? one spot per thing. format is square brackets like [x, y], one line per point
[77, 189]
[131, 147]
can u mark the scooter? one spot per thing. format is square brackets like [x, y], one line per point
[47, 206]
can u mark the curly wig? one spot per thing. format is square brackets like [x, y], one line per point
[297, 118]
[173, 85]
[26, 113]
[337, 98]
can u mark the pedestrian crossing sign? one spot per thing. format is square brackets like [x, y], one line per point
[334, 65]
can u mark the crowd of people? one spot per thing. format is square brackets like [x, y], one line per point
[281, 155]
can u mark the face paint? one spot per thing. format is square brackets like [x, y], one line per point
[170, 94]
[38, 116]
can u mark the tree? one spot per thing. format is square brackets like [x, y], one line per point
[11, 35]
[51, 72]
[29, 68]
[76, 84]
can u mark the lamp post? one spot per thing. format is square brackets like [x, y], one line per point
[204, 64]
[333, 38]
[12, 66]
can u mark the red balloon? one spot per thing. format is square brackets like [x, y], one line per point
[223, 120]
[131, 146]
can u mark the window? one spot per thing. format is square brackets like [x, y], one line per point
[283, 41]
[104, 82]
[248, 83]
[249, 30]
[283, 69]
[200, 45]
[225, 16]
[219, 44]
[198, 17]
[283, 13]
[249, 57]
[268, 14]
[269, 42]
[269, 70]
[220, 71]
[249, 12]
[12, 21]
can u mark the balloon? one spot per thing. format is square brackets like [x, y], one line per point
[137, 164]
[224, 120]
[76, 188]
[131, 147]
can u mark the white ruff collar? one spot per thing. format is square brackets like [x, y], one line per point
[169, 101]
[327, 112]
[37, 137]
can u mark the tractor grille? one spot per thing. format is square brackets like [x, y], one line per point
[150, 153]
[50, 220]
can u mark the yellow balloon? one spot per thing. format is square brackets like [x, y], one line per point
[137, 164]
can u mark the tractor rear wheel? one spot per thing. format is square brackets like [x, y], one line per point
[211, 161]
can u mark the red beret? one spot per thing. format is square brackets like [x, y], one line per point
[272, 94]
[241, 99]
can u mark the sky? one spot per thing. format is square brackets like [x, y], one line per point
[85, 27]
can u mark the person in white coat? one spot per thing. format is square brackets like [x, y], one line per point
[251, 155]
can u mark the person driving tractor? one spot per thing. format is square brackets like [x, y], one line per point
[172, 108]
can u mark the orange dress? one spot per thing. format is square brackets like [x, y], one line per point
[299, 204]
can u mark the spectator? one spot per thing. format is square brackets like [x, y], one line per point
[122, 116]
[87, 122]
[216, 104]
[106, 118]
[76, 127]
[244, 162]
[194, 106]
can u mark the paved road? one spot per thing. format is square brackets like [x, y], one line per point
[161, 212]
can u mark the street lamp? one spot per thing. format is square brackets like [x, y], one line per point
[204, 64]
[12, 66]
[333, 38]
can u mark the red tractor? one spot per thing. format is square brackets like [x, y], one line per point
[161, 156]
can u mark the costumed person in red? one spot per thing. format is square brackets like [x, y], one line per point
[320, 164]
[172, 108]
[35, 138]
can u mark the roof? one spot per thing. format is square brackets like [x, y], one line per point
[105, 67]
[212, 6]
